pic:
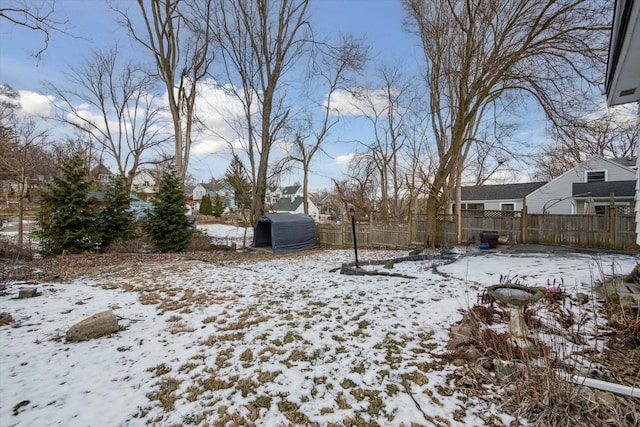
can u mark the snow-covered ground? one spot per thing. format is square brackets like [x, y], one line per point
[276, 342]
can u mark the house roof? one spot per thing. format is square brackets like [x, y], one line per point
[500, 191]
[290, 190]
[622, 82]
[286, 204]
[215, 185]
[148, 172]
[603, 189]
[101, 169]
[188, 190]
[629, 162]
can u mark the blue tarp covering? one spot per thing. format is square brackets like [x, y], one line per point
[285, 232]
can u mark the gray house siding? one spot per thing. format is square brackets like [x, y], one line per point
[495, 197]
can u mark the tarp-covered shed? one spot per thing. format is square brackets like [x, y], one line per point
[285, 232]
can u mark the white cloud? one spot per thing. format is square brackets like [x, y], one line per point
[95, 118]
[206, 146]
[345, 159]
[35, 104]
[359, 101]
[219, 112]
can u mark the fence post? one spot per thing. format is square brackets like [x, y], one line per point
[409, 228]
[344, 228]
[523, 220]
[612, 221]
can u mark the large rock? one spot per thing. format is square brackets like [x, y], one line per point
[27, 292]
[96, 326]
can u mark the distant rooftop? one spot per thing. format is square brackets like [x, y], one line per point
[629, 161]
[500, 191]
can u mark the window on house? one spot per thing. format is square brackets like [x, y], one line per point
[475, 206]
[507, 206]
[596, 176]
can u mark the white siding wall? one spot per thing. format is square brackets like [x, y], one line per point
[313, 210]
[144, 177]
[199, 192]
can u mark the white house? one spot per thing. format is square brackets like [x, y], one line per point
[272, 196]
[294, 204]
[144, 182]
[595, 178]
[622, 82]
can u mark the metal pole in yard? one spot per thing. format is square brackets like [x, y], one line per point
[352, 212]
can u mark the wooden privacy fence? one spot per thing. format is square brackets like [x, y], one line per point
[611, 231]
[369, 235]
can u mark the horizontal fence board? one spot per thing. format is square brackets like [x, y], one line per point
[592, 231]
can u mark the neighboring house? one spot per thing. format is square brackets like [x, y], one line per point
[593, 179]
[191, 203]
[586, 186]
[139, 207]
[294, 204]
[216, 188]
[273, 195]
[102, 175]
[10, 189]
[144, 182]
[622, 83]
[504, 197]
[137, 203]
[188, 191]
[329, 208]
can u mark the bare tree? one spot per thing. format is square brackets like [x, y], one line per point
[28, 157]
[9, 103]
[35, 15]
[477, 51]
[417, 155]
[22, 153]
[609, 133]
[386, 109]
[259, 42]
[177, 36]
[78, 144]
[331, 69]
[360, 187]
[329, 203]
[123, 117]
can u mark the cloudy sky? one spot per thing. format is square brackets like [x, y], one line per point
[90, 25]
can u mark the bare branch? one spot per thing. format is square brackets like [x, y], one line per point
[35, 16]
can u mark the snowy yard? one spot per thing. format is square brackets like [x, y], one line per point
[266, 342]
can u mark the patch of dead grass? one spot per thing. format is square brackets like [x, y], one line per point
[166, 392]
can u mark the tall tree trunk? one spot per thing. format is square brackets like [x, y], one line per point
[305, 187]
